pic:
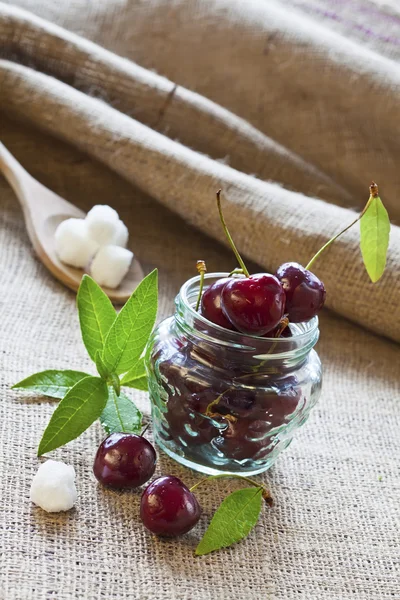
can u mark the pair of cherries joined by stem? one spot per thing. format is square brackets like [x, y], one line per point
[259, 304]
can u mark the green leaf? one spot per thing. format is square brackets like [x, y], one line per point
[136, 377]
[374, 242]
[130, 331]
[82, 405]
[96, 315]
[233, 520]
[54, 384]
[120, 414]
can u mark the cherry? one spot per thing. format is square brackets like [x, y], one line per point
[168, 508]
[255, 304]
[305, 293]
[211, 304]
[124, 460]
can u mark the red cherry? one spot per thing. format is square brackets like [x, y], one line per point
[254, 305]
[124, 460]
[305, 293]
[168, 508]
[211, 304]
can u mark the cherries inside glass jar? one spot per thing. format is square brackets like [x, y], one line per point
[225, 401]
[231, 374]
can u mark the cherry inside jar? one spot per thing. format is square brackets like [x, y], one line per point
[223, 401]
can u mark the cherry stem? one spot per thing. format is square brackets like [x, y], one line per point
[265, 493]
[235, 271]
[145, 429]
[229, 238]
[202, 269]
[373, 190]
[283, 323]
[212, 414]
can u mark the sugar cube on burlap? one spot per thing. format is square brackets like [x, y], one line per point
[53, 487]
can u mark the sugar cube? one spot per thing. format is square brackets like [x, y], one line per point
[110, 265]
[53, 487]
[122, 235]
[72, 243]
[102, 224]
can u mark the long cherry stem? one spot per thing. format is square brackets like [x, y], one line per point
[265, 493]
[373, 190]
[202, 269]
[228, 235]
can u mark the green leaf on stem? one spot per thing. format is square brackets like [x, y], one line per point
[120, 414]
[96, 315]
[130, 331]
[115, 382]
[374, 242]
[82, 405]
[100, 366]
[232, 521]
[52, 383]
[136, 377]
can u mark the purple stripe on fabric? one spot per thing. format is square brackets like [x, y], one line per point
[351, 24]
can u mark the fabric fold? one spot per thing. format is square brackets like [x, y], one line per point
[331, 100]
[270, 224]
[157, 102]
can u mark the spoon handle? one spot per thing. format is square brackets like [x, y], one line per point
[14, 172]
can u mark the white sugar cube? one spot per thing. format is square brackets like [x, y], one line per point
[102, 223]
[110, 265]
[73, 245]
[122, 235]
[53, 486]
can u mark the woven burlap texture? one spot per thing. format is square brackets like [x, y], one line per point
[311, 114]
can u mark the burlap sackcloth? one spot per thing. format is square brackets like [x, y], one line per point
[291, 108]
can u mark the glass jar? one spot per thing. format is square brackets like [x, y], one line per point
[223, 401]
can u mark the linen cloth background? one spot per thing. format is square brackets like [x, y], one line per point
[291, 108]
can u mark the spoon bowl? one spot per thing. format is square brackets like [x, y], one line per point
[43, 212]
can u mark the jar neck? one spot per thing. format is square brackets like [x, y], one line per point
[243, 352]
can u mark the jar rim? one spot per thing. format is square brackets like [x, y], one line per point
[308, 337]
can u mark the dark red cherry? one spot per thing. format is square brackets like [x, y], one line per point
[305, 293]
[211, 304]
[168, 508]
[124, 460]
[254, 305]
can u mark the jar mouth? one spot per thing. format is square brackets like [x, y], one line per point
[304, 335]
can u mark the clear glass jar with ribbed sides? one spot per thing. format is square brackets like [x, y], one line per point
[225, 402]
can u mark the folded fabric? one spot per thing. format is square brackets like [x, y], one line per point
[327, 141]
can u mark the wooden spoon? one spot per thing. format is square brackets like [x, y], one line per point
[43, 212]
